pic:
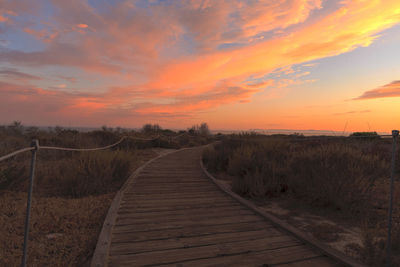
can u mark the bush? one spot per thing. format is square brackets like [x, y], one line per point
[335, 175]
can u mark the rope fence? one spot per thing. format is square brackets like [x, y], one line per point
[35, 146]
[12, 154]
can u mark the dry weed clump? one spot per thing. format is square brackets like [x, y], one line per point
[258, 170]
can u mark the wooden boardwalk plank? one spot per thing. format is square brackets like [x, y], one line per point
[211, 251]
[139, 235]
[261, 258]
[123, 248]
[172, 215]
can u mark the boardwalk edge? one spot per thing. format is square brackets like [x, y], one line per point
[324, 249]
[100, 254]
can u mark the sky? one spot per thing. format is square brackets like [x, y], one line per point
[235, 64]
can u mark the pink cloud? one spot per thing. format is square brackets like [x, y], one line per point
[388, 90]
[43, 34]
[61, 55]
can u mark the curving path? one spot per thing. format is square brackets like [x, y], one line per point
[173, 215]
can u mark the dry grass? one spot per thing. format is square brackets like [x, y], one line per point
[63, 231]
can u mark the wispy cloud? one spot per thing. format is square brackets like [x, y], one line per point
[388, 90]
[14, 74]
[352, 112]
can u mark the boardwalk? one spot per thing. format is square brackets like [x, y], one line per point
[173, 215]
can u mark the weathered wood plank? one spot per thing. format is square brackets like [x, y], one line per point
[122, 248]
[173, 201]
[167, 223]
[318, 261]
[196, 217]
[221, 249]
[175, 195]
[255, 258]
[140, 235]
[202, 210]
[177, 207]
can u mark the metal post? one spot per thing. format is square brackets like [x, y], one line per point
[35, 144]
[395, 135]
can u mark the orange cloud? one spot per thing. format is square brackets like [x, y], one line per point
[3, 19]
[261, 84]
[269, 15]
[82, 26]
[218, 95]
[388, 90]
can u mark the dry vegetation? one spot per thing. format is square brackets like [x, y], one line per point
[72, 190]
[346, 176]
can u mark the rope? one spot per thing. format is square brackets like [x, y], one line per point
[16, 153]
[82, 149]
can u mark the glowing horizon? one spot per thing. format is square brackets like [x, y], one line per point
[290, 64]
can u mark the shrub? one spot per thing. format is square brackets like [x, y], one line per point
[335, 175]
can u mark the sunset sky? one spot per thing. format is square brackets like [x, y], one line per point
[282, 64]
